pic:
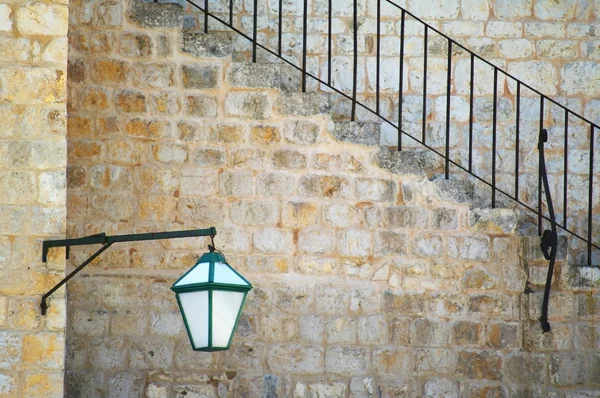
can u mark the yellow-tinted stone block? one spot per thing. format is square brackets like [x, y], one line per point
[43, 351]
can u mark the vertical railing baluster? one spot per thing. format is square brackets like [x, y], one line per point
[329, 41]
[424, 86]
[494, 117]
[355, 70]
[205, 16]
[448, 86]
[401, 74]
[590, 197]
[517, 142]
[280, 25]
[540, 171]
[378, 56]
[565, 167]
[231, 13]
[471, 99]
[304, 40]
[254, 27]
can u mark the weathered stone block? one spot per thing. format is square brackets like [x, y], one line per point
[311, 328]
[202, 209]
[5, 21]
[201, 106]
[156, 15]
[444, 219]
[302, 132]
[474, 248]
[368, 189]
[201, 76]
[404, 162]
[460, 192]
[255, 212]
[151, 353]
[214, 45]
[372, 330]
[340, 215]
[275, 184]
[552, 11]
[361, 133]
[428, 246]
[405, 304]
[253, 75]
[467, 333]
[577, 78]
[43, 350]
[316, 240]
[42, 19]
[429, 332]
[394, 360]
[272, 241]
[302, 104]
[441, 388]
[346, 360]
[298, 214]
[525, 368]
[331, 299]
[307, 359]
[236, 183]
[278, 327]
[478, 365]
[136, 45]
[478, 279]
[109, 71]
[568, 369]
[264, 135]
[247, 105]
[324, 187]
[341, 330]
[355, 243]
[492, 305]
[289, 159]
[433, 361]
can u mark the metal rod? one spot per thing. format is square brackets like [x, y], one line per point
[590, 197]
[44, 304]
[565, 166]
[517, 141]
[423, 133]
[471, 98]
[107, 241]
[205, 16]
[355, 70]
[540, 210]
[401, 79]
[230, 12]
[254, 27]
[378, 45]
[329, 45]
[304, 44]
[494, 127]
[448, 87]
[280, 31]
[550, 237]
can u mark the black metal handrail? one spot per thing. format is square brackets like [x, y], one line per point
[536, 208]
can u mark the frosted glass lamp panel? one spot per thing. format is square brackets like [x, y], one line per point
[226, 306]
[198, 274]
[195, 310]
[224, 274]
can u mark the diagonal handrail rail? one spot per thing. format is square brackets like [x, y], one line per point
[448, 161]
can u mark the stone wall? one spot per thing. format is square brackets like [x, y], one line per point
[33, 157]
[370, 279]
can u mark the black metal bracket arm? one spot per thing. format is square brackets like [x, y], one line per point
[549, 240]
[106, 242]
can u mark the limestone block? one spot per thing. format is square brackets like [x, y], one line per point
[307, 359]
[109, 71]
[409, 217]
[555, 11]
[492, 305]
[215, 45]
[340, 216]
[125, 152]
[272, 241]
[278, 327]
[302, 104]
[437, 9]
[355, 243]
[478, 279]
[433, 361]
[237, 183]
[255, 212]
[475, 9]
[578, 78]
[316, 265]
[561, 49]
[15, 50]
[504, 29]
[110, 13]
[5, 20]
[361, 133]
[467, 333]
[27, 85]
[311, 329]
[429, 332]
[19, 187]
[428, 246]
[8, 384]
[254, 75]
[201, 76]
[201, 106]
[316, 240]
[42, 19]
[247, 105]
[389, 74]
[346, 360]
[568, 369]
[156, 15]
[300, 214]
[43, 351]
[516, 48]
[150, 353]
[324, 187]
[289, 159]
[153, 75]
[479, 365]
[541, 75]
[208, 211]
[327, 390]
[404, 303]
[226, 133]
[504, 335]
[364, 301]
[275, 184]
[128, 323]
[544, 29]
[368, 189]
[170, 153]
[136, 45]
[166, 103]
[56, 51]
[404, 162]
[441, 388]
[341, 330]
[436, 75]
[444, 219]
[302, 132]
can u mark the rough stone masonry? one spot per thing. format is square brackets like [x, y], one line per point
[373, 278]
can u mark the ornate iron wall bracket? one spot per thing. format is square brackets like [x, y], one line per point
[107, 241]
[549, 240]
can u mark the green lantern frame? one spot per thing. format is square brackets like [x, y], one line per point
[210, 286]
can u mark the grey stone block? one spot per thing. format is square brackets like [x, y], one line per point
[213, 45]
[201, 76]
[157, 15]
[492, 220]
[404, 162]
[302, 104]
[253, 75]
[361, 133]
[455, 191]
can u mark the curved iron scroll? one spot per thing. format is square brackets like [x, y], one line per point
[549, 239]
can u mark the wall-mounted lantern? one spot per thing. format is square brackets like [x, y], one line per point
[210, 295]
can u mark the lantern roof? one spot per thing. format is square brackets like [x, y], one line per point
[211, 270]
